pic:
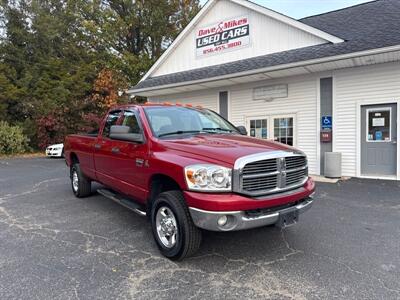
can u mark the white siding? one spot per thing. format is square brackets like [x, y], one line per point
[301, 102]
[267, 36]
[363, 85]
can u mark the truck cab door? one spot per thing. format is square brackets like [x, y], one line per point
[129, 160]
[103, 156]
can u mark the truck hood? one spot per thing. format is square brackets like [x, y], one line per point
[224, 147]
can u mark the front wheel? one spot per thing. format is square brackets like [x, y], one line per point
[173, 229]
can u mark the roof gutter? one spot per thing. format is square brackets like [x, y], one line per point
[269, 69]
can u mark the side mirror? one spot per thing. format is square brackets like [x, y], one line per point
[120, 132]
[242, 130]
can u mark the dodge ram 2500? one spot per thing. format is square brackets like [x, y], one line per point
[189, 169]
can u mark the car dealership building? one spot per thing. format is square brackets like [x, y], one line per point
[326, 83]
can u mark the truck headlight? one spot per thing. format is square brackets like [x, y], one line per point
[208, 178]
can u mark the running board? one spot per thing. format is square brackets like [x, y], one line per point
[123, 201]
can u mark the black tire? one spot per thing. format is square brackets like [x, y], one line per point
[84, 185]
[188, 237]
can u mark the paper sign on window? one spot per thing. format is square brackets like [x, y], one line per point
[378, 122]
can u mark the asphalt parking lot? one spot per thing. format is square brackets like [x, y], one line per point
[55, 246]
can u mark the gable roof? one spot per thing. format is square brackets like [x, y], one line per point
[289, 21]
[364, 27]
[247, 4]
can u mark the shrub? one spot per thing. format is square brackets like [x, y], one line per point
[51, 129]
[12, 139]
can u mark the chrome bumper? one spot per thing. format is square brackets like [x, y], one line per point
[240, 220]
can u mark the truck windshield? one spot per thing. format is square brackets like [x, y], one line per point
[175, 120]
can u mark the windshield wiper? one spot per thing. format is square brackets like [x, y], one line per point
[179, 132]
[217, 128]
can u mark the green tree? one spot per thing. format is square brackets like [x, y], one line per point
[64, 60]
[135, 33]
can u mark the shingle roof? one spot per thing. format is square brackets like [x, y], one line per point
[366, 26]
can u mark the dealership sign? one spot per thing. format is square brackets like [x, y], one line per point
[270, 92]
[220, 37]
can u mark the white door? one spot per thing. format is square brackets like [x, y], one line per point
[280, 128]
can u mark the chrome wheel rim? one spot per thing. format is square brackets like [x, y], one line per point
[75, 181]
[167, 229]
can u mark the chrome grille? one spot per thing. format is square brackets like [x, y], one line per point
[295, 177]
[260, 183]
[280, 171]
[293, 162]
[262, 166]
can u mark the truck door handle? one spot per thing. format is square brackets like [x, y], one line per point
[115, 150]
[97, 146]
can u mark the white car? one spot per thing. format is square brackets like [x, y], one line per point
[56, 150]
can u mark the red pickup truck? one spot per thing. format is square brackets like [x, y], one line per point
[189, 169]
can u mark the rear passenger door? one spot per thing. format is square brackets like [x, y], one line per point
[103, 156]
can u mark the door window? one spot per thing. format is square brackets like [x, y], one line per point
[131, 121]
[112, 119]
[279, 128]
[378, 125]
[283, 130]
[259, 128]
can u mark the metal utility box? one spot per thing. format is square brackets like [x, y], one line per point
[333, 164]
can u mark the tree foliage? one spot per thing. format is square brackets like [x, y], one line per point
[64, 62]
[12, 140]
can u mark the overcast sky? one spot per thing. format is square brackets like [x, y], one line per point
[302, 8]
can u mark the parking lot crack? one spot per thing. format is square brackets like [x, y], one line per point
[348, 267]
[35, 188]
[292, 251]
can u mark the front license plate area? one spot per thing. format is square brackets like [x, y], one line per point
[288, 218]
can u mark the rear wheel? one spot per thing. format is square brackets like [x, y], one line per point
[173, 229]
[81, 185]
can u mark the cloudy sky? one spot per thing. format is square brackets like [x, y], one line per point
[302, 8]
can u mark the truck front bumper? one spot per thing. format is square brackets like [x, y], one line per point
[241, 220]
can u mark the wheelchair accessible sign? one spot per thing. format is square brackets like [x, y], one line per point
[326, 122]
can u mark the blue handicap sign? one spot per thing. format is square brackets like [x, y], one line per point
[326, 122]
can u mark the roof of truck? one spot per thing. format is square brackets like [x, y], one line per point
[163, 104]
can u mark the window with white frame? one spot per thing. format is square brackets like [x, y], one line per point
[259, 128]
[283, 130]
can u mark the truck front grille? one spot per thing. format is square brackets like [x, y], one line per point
[258, 177]
[260, 183]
